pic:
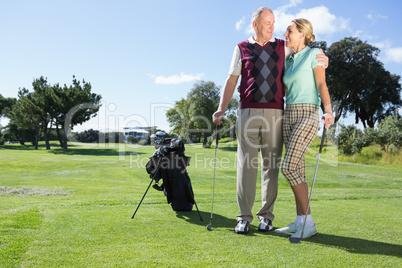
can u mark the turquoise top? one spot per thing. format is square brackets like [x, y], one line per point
[299, 77]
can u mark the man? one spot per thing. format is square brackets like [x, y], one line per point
[260, 62]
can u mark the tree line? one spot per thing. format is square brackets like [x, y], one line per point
[49, 107]
[95, 136]
[357, 81]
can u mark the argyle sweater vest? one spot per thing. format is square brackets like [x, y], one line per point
[261, 84]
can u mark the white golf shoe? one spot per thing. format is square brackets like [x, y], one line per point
[309, 231]
[265, 225]
[242, 227]
[290, 228]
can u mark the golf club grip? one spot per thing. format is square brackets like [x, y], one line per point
[218, 127]
[322, 139]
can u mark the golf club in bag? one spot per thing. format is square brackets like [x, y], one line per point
[209, 226]
[297, 239]
[169, 164]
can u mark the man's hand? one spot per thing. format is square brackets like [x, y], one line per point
[217, 117]
[322, 59]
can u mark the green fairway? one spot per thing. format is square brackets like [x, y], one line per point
[73, 208]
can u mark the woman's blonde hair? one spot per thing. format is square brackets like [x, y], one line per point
[305, 27]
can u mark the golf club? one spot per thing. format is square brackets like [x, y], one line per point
[209, 226]
[297, 239]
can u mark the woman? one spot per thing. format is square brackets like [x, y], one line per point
[304, 79]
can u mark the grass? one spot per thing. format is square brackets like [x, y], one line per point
[73, 209]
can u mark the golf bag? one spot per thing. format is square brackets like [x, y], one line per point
[169, 164]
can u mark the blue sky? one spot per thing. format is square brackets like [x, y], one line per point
[143, 56]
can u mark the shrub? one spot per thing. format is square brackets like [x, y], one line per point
[91, 136]
[389, 132]
[350, 140]
[372, 152]
[132, 140]
[394, 158]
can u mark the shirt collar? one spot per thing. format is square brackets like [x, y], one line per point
[300, 53]
[252, 41]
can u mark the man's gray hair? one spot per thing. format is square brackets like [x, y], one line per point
[257, 13]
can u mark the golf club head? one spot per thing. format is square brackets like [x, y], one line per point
[209, 228]
[294, 240]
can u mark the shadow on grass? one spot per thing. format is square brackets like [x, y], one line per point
[228, 148]
[218, 221]
[72, 150]
[27, 146]
[352, 245]
[92, 151]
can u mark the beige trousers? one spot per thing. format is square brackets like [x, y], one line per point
[258, 129]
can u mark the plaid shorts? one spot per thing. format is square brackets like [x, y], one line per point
[300, 126]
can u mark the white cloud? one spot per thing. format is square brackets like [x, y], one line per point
[374, 16]
[364, 36]
[176, 79]
[393, 54]
[389, 53]
[383, 45]
[249, 29]
[240, 24]
[358, 33]
[283, 21]
[324, 22]
[292, 3]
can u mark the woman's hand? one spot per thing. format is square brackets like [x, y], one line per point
[328, 119]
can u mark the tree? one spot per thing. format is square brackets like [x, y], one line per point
[54, 106]
[178, 117]
[43, 104]
[75, 105]
[204, 100]
[4, 103]
[21, 134]
[192, 117]
[33, 110]
[25, 116]
[358, 82]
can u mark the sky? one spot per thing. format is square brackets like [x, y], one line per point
[143, 56]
